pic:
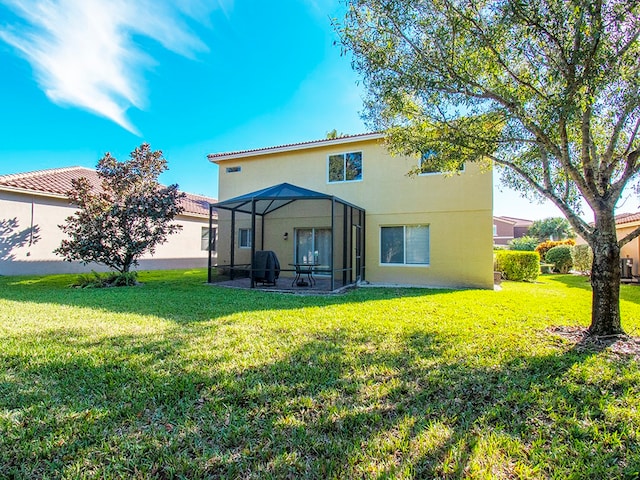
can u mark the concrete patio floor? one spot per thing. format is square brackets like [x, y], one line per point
[322, 286]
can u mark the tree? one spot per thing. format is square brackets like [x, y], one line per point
[524, 244]
[127, 217]
[547, 90]
[333, 134]
[552, 228]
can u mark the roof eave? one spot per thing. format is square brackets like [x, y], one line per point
[28, 191]
[217, 158]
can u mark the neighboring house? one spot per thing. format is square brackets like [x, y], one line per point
[506, 229]
[34, 204]
[625, 224]
[348, 206]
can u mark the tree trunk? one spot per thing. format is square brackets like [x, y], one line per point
[605, 278]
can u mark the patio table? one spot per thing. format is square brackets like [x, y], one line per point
[303, 269]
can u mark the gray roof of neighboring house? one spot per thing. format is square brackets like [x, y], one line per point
[57, 182]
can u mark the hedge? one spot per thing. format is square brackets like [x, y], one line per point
[560, 256]
[518, 266]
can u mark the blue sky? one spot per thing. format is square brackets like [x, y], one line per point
[190, 77]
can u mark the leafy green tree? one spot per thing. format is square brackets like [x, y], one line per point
[561, 258]
[333, 134]
[552, 228]
[582, 256]
[128, 216]
[524, 244]
[546, 90]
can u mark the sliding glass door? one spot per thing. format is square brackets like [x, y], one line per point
[313, 246]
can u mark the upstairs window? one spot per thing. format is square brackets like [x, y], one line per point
[345, 167]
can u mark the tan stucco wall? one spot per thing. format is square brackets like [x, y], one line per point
[458, 210]
[182, 250]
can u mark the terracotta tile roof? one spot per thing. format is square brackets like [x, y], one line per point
[57, 182]
[627, 218]
[293, 146]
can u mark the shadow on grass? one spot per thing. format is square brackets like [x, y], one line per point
[572, 281]
[630, 292]
[179, 296]
[332, 406]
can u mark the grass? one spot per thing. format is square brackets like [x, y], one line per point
[178, 379]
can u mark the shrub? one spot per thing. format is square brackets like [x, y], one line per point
[518, 266]
[544, 247]
[582, 256]
[560, 256]
[110, 279]
[525, 244]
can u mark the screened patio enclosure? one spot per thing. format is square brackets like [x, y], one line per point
[300, 226]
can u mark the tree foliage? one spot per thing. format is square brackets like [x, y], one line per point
[582, 256]
[552, 228]
[546, 90]
[560, 256]
[544, 247]
[524, 244]
[128, 216]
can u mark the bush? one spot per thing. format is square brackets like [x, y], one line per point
[544, 247]
[560, 256]
[525, 244]
[582, 256]
[110, 279]
[518, 266]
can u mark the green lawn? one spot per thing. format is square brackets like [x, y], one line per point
[178, 379]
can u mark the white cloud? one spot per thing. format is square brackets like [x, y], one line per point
[83, 53]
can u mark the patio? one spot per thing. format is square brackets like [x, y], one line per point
[329, 238]
[322, 286]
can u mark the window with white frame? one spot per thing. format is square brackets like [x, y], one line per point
[204, 242]
[244, 238]
[427, 169]
[404, 245]
[345, 167]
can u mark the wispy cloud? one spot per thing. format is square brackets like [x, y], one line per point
[83, 52]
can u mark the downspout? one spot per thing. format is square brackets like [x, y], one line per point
[210, 262]
[253, 240]
[232, 256]
[363, 244]
[344, 244]
[333, 210]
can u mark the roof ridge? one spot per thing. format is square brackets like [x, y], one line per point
[318, 142]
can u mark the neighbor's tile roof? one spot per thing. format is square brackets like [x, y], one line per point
[627, 218]
[518, 222]
[294, 146]
[57, 182]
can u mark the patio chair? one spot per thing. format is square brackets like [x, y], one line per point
[303, 269]
[266, 267]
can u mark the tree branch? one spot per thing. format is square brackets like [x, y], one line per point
[582, 228]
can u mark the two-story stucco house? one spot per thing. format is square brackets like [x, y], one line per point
[34, 204]
[348, 207]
